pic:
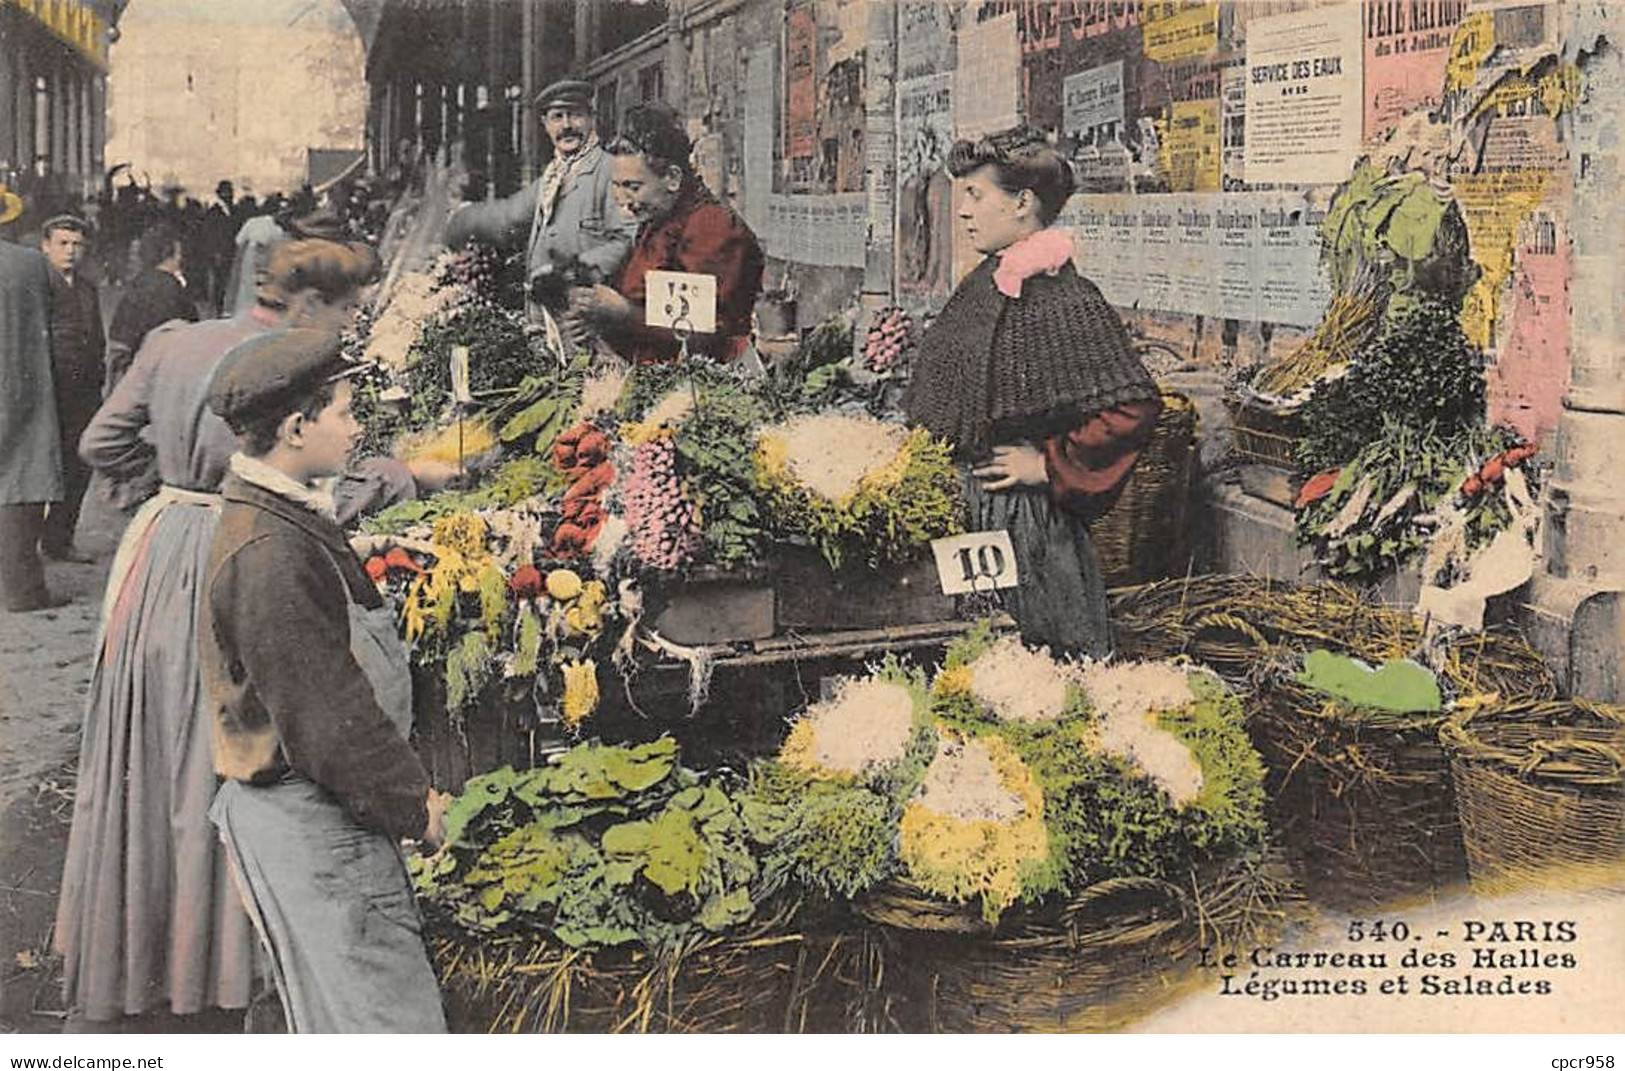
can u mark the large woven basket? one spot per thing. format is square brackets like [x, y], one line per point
[1264, 432]
[1106, 957]
[1144, 536]
[1541, 792]
[1360, 798]
[530, 983]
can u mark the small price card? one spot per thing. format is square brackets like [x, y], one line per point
[975, 561]
[681, 299]
[459, 375]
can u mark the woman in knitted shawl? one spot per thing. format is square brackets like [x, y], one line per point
[1029, 373]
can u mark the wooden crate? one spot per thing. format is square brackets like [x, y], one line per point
[712, 606]
[812, 596]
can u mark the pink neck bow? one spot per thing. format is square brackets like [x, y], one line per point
[1042, 251]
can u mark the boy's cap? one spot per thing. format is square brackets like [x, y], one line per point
[276, 366]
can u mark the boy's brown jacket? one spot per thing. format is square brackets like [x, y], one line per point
[278, 675]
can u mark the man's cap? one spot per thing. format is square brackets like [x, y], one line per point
[277, 368]
[11, 205]
[567, 92]
[65, 220]
[322, 223]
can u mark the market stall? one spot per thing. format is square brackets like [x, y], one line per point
[729, 757]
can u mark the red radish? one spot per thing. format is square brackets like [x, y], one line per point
[376, 569]
[397, 558]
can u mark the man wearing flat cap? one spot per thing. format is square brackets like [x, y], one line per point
[78, 346]
[577, 235]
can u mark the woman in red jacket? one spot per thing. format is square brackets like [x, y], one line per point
[681, 227]
[1029, 373]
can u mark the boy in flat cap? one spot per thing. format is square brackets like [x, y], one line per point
[576, 231]
[78, 346]
[312, 701]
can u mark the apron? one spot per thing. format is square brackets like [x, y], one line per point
[332, 901]
[1060, 602]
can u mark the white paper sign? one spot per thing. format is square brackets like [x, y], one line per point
[1304, 105]
[459, 375]
[681, 299]
[1092, 98]
[975, 562]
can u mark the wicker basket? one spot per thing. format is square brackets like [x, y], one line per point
[1239, 625]
[529, 983]
[1110, 955]
[1360, 798]
[1541, 791]
[1264, 432]
[1145, 534]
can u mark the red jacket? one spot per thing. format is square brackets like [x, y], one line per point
[699, 235]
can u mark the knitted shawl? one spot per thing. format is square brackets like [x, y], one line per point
[993, 369]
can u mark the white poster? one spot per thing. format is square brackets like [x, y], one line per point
[986, 82]
[1304, 95]
[1235, 222]
[1194, 266]
[828, 230]
[1156, 252]
[1239, 256]
[1092, 99]
[1290, 285]
[759, 139]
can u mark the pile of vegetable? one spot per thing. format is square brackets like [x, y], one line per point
[1381, 507]
[856, 488]
[890, 780]
[608, 846]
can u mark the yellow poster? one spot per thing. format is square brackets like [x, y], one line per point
[1494, 207]
[1188, 146]
[1471, 46]
[1179, 29]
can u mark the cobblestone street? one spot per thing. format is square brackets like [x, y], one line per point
[44, 666]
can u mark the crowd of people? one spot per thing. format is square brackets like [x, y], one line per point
[245, 779]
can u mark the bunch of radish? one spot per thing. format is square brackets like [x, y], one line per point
[1494, 470]
[888, 339]
[660, 517]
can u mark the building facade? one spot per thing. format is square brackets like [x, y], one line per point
[53, 95]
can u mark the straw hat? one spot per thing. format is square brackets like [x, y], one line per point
[11, 205]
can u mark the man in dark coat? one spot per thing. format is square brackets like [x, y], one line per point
[156, 296]
[77, 348]
[30, 443]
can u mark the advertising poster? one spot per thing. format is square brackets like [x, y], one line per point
[1494, 206]
[1407, 46]
[925, 226]
[1233, 129]
[1235, 241]
[1093, 109]
[1195, 258]
[1122, 277]
[1189, 146]
[984, 86]
[925, 39]
[758, 140]
[1179, 29]
[1303, 95]
[1527, 381]
[801, 86]
[1290, 286]
[1157, 223]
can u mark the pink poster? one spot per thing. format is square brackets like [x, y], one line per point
[1406, 47]
[1527, 379]
[801, 103]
